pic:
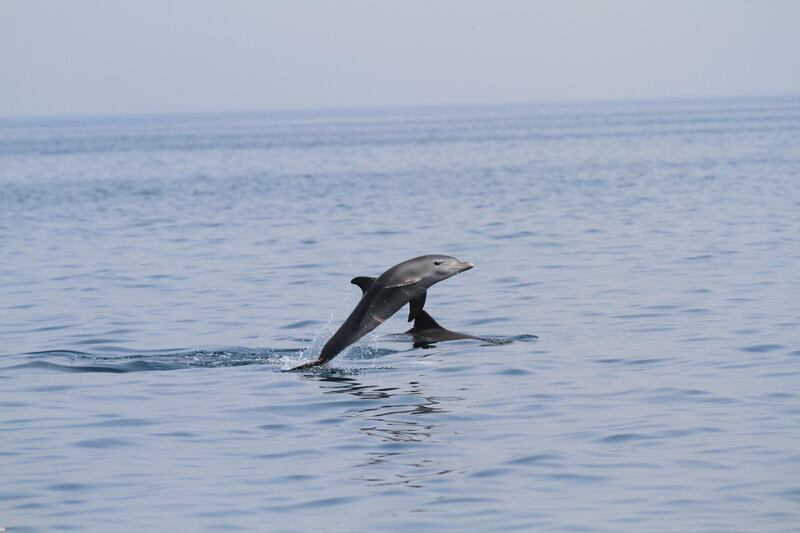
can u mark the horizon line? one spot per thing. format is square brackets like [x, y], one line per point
[398, 107]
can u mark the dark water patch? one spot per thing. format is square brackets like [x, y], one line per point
[610, 361]
[382, 232]
[669, 394]
[523, 285]
[513, 372]
[672, 392]
[275, 427]
[635, 316]
[302, 324]
[780, 396]
[103, 443]
[651, 329]
[542, 459]
[321, 503]
[762, 348]
[648, 361]
[52, 388]
[461, 501]
[52, 328]
[98, 341]
[790, 494]
[701, 464]
[509, 280]
[14, 496]
[624, 438]
[26, 507]
[22, 306]
[639, 361]
[778, 374]
[696, 311]
[69, 487]
[308, 266]
[702, 338]
[120, 423]
[517, 235]
[284, 454]
[176, 434]
[576, 478]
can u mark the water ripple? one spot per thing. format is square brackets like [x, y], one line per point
[160, 273]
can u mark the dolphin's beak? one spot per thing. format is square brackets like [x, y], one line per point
[464, 265]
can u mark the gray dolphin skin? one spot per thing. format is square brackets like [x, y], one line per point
[427, 331]
[406, 283]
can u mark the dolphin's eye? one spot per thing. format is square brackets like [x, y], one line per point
[438, 262]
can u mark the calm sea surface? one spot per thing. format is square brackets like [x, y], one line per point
[158, 274]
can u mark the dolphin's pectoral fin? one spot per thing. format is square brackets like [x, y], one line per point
[364, 282]
[415, 305]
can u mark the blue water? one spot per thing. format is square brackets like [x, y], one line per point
[159, 273]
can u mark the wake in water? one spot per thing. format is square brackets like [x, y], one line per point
[274, 358]
[73, 361]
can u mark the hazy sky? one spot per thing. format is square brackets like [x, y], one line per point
[82, 56]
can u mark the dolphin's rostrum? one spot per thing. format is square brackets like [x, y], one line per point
[406, 283]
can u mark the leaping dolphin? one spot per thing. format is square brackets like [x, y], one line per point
[406, 283]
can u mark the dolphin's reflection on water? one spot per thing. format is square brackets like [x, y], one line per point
[393, 420]
[405, 425]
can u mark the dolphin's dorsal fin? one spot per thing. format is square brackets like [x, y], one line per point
[415, 305]
[425, 321]
[364, 282]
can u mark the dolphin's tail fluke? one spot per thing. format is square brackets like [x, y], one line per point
[306, 366]
[337, 343]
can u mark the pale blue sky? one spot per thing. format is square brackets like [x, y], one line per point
[84, 56]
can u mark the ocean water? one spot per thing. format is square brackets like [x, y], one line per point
[159, 274]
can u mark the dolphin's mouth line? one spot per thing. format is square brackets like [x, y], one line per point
[464, 266]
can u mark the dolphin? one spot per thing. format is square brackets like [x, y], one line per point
[405, 283]
[427, 331]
